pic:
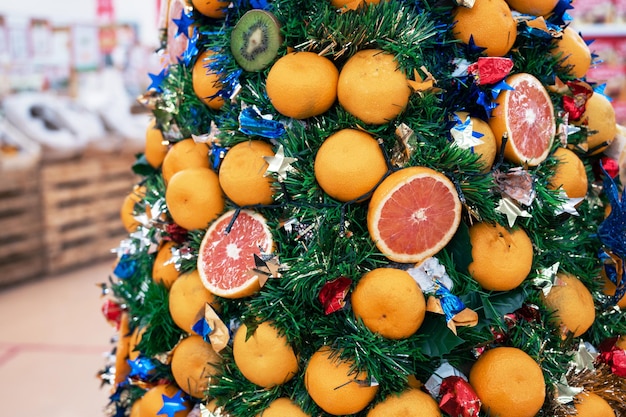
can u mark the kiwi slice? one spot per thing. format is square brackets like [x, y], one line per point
[255, 39]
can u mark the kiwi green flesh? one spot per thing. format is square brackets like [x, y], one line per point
[255, 40]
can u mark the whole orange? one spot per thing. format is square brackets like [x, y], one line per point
[412, 402]
[242, 173]
[152, 401]
[533, 7]
[283, 407]
[389, 302]
[570, 174]
[184, 154]
[489, 23]
[211, 8]
[508, 382]
[194, 365]
[572, 303]
[589, 404]
[156, 146]
[372, 87]
[302, 84]
[353, 4]
[127, 211]
[264, 357]
[206, 82]
[349, 164]
[488, 148]
[334, 386]
[574, 52]
[501, 258]
[163, 269]
[187, 300]
[599, 117]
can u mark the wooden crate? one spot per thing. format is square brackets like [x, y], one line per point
[21, 238]
[81, 201]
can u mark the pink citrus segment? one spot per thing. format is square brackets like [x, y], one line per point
[226, 259]
[526, 116]
[413, 214]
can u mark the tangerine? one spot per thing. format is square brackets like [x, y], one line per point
[211, 8]
[533, 7]
[264, 357]
[334, 386]
[352, 4]
[283, 407]
[372, 88]
[413, 214]
[152, 401]
[573, 52]
[243, 176]
[226, 257]
[184, 154]
[163, 269]
[135, 338]
[570, 174]
[389, 302]
[501, 258]
[302, 84]
[487, 149]
[206, 82]
[526, 116]
[610, 288]
[122, 368]
[349, 164]
[187, 300]
[194, 364]
[127, 211]
[599, 117]
[489, 23]
[156, 146]
[589, 404]
[572, 303]
[194, 198]
[508, 382]
[412, 402]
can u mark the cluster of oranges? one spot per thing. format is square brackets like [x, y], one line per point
[412, 214]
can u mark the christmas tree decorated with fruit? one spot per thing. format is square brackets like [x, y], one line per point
[372, 208]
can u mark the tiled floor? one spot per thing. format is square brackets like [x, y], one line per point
[53, 341]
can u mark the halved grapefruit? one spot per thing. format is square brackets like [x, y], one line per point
[226, 259]
[413, 214]
[526, 115]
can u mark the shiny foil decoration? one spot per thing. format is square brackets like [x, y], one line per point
[458, 398]
[490, 70]
[333, 294]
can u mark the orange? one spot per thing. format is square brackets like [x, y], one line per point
[526, 116]
[156, 146]
[488, 149]
[533, 7]
[122, 368]
[194, 365]
[372, 88]
[283, 407]
[412, 402]
[133, 342]
[206, 82]
[265, 357]
[572, 304]
[242, 173]
[413, 214]
[349, 164]
[135, 410]
[163, 269]
[187, 300]
[573, 52]
[152, 401]
[352, 4]
[501, 258]
[334, 386]
[599, 117]
[194, 197]
[185, 154]
[621, 342]
[211, 8]
[508, 382]
[588, 404]
[489, 23]
[302, 84]
[127, 211]
[389, 302]
[226, 260]
[610, 288]
[569, 174]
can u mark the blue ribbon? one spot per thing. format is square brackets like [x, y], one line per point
[450, 303]
[251, 123]
[202, 328]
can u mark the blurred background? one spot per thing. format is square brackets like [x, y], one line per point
[71, 72]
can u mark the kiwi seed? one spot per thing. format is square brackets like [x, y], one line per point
[255, 40]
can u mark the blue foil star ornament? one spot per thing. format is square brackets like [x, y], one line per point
[612, 231]
[183, 23]
[125, 267]
[202, 328]
[251, 122]
[171, 405]
[141, 367]
[463, 133]
[192, 49]
[156, 80]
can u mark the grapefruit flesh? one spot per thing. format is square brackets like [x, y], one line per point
[526, 116]
[226, 257]
[413, 214]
